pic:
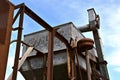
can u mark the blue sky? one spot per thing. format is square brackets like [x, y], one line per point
[57, 12]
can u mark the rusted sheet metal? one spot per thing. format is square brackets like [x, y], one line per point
[6, 17]
[28, 46]
[5, 14]
[41, 43]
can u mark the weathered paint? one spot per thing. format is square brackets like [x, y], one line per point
[6, 17]
[40, 41]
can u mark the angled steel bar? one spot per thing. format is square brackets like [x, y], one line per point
[35, 17]
[17, 14]
[28, 46]
[40, 21]
[19, 5]
[33, 47]
[22, 60]
[60, 37]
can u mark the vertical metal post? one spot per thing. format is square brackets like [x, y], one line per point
[6, 18]
[18, 45]
[68, 64]
[88, 65]
[44, 66]
[50, 57]
[73, 64]
[79, 70]
[103, 67]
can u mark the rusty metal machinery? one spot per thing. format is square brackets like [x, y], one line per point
[83, 45]
[93, 26]
[22, 10]
[6, 22]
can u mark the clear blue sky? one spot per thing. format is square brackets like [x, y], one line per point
[57, 12]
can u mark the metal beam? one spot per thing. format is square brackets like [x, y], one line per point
[88, 65]
[18, 45]
[102, 62]
[6, 17]
[40, 21]
[35, 17]
[50, 57]
[26, 54]
[28, 46]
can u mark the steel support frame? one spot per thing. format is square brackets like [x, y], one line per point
[24, 9]
[95, 31]
[16, 60]
[102, 62]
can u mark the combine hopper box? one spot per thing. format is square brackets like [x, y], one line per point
[34, 67]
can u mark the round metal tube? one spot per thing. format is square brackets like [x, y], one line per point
[86, 28]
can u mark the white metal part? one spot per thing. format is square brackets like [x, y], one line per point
[26, 54]
[91, 14]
